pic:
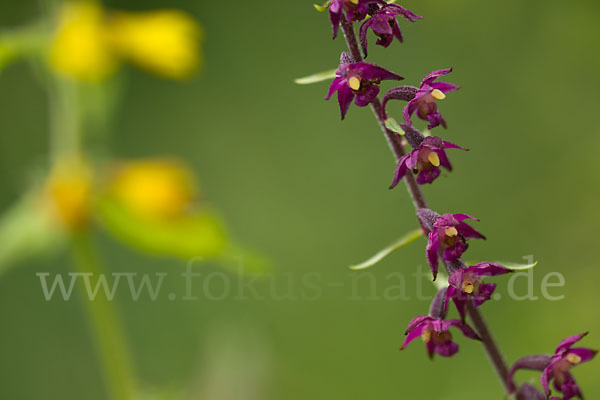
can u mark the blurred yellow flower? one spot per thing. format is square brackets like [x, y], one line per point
[68, 191]
[163, 41]
[80, 48]
[90, 42]
[154, 188]
[150, 205]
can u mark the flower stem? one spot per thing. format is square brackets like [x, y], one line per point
[110, 342]
[392, 138]
[491, 348]
[416, 194]
[65, 132]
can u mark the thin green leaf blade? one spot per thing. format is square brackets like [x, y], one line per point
[322, 8]
[398, 244]
[519, 267]
[315, 78]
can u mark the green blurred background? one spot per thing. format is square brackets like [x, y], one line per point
[310, 193]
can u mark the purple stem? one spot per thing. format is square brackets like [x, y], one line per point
[392, 139]
[491, 348]
[416, 194]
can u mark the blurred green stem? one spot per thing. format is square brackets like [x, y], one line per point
[64, 118]
[107, 329]
[65, 109]
[491, 348]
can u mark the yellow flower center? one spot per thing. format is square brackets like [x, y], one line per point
[451, 232]
[468, 287]
[354, 2]
[438, 94]
[573, 358]
[354, 83]
[426, 335]
[434, 159]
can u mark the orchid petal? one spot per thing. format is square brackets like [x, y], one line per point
[345, 97]
[434, 75]
[568, 342]
[432, 252]
[583, 352]
[488, 269]
[400, 171]
[464, 328]
[484, 294]
[418, 320]
[469, 232]
[428, 175]
[335, 86]
[412, 335]
[366, 97]
[445, 87]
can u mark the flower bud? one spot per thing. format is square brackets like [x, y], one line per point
[413, 136]
[437, 309]
[530, 392]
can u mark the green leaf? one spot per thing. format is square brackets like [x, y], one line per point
[22, 42]
[314, 78]
[197, 235]
[394, 126]
[26, 230]
[517, 266]
[400, 243]
[322, 8]
[7, 54]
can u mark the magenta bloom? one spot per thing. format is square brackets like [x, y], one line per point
[466, 283]
[424, 102]
[356, 10]
[448, 237]
[562, 361]
[426, 161]
[436, 335]
[557, 367]
[384, 24]
[358, 80]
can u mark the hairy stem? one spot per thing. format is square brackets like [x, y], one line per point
[392, 139]
[490, 345]
[416, 194]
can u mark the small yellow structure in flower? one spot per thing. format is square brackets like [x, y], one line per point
[154, 188]
[90, 43]
[68, 191]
